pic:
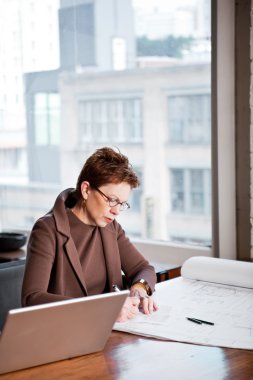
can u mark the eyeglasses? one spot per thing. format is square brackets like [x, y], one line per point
[113, 202]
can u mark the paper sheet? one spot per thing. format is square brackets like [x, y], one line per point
[230, 308]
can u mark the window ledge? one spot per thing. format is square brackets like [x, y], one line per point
[168, 252]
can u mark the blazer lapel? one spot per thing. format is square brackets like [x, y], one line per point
[112, 258]
[62, 225]
[75, 262]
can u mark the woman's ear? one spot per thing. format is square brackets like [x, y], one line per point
[85, 188]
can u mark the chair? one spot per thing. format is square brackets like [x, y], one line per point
[11, 277]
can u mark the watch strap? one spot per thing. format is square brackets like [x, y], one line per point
[145, 285]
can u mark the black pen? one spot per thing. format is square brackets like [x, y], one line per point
[194, 320]
[200, 321]
[206, 322]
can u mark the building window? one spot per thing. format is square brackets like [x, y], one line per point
[135, 195]
[47, 119]
[190, 191]
[177, 190]
[10, 159]
[113, 120]
[189, 119]
[197, 200]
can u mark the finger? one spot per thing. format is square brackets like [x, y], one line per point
[131, 315]
[146, 301]
[135, 301]
[128, 311]
[131, 301]
[151, 305]
[148, 305]
[122, 317]
[131, 309]
[132, 312]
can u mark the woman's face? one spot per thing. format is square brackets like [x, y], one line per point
[97, 210]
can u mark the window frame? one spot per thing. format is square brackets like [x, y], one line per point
[223, 160]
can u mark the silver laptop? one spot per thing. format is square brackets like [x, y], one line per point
[59, 330]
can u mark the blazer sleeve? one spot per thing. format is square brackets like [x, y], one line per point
[133, 264]
[39, 262]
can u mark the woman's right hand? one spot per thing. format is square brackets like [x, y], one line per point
[129, 310]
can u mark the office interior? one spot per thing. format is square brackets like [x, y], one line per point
[231, 83]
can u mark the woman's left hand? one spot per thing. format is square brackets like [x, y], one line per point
[147, 304]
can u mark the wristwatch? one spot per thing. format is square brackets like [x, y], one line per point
[145, 285]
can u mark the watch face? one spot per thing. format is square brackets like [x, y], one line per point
[146, 285]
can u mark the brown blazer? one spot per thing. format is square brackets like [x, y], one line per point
[53, 270]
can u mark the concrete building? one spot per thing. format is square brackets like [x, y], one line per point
[93, 38]
[96, 33]
[158, 20]
[161, 119]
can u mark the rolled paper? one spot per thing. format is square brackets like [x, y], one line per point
[221, 271]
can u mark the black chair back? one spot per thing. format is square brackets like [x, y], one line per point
[11, 277]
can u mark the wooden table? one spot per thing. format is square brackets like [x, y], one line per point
[128, 357]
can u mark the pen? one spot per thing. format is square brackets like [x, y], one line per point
[200, 321]
[194, 320]
[206, 322]
[115, 288]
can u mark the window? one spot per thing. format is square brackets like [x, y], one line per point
[190, 191]
[197, 196]
[47, 119]
[149, 96]
[135, 197]
[111, 120]
[190, 119]
[177, 190]
[190, 215]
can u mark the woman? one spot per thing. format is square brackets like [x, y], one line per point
[78, 249]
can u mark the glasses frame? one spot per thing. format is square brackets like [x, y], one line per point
[113, 202]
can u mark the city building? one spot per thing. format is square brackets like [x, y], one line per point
[89, 40]
[168, 142]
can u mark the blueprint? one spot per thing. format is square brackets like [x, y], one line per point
[230, 308]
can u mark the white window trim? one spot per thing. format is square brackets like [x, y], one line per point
[223, 130]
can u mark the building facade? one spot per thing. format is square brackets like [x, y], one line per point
[161, 120]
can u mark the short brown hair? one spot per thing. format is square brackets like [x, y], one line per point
[106, 165]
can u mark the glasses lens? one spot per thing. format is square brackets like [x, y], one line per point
[115, 202]
[124, 206]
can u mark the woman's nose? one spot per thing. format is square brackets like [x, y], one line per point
[115, 209]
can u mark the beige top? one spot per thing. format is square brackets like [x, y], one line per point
[90, 251]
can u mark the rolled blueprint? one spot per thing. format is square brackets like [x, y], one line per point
[221, 271]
